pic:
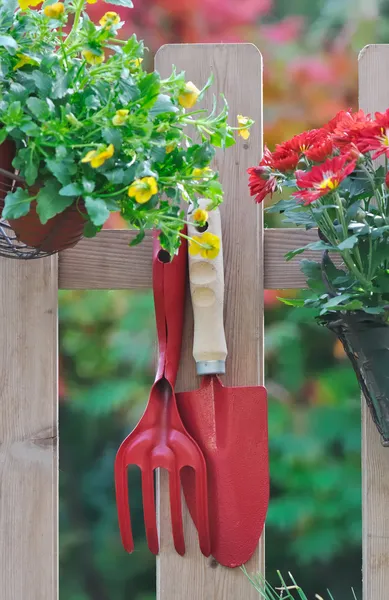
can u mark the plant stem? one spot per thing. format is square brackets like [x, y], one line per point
[114, 193]
[76, 21]
[342, 219]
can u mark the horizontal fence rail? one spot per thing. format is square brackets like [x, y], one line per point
[106, 262]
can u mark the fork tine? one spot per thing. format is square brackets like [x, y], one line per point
[176, 511]
[202, 517]
[123, 504]
[149, 511]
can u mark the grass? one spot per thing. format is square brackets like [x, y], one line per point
[286, 591]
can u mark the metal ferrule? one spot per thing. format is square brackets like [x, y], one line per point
[211, 367]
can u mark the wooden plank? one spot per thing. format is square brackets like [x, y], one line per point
[238, 72]
[106, 262]
[374, 96]
[28, 429]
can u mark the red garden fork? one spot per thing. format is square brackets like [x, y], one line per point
[160, 439]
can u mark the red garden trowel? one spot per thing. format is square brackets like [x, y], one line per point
[228, 423]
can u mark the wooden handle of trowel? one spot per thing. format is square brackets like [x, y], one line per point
[206, 277]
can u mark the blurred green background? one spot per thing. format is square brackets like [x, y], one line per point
[107, 338]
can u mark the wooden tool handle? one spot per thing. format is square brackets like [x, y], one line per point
[206, 277]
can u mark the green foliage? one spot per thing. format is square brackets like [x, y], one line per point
[285, 591]
[86, 119]
[352, 217]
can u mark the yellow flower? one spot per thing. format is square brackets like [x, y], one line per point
[202, 173]
[91, 1]
[242, 131]
[136, 62]
[200, 216]
[24, 60]
[54, 11]
[110, 18]
[189, 95]
[143, 189]
[27, 3]
[96, 158]
[121, 117]
[93, 59]
[207, 245]
[170, 147]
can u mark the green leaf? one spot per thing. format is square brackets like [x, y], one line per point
[320, 245]
[49, 201]
[8, 42]
[280, 206]
[162, 105]
[373, 310]
[149, 88]
[62, 169]
[62, 84]
[27, 161]
[200, 156]
[73, 189]
[138, 239]
[18, 92]
[39, 108]
[292, 301]
[17, 204]
[113, 136]
[14, 110]
[30, 128]
[126, 3]
[89, 186]
[348, 243]
[332, 302]
[115, 176]
[97, 210]
[90, 230]
[42, 81]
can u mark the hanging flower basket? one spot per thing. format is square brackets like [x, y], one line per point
[340, 189]
[365, 339]
[90, 132]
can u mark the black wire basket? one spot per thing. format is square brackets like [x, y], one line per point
[365, 339]
[11, 247]
[38, 241]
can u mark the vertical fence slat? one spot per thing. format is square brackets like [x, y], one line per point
[237, 69]
[373, 96]
[28, 429]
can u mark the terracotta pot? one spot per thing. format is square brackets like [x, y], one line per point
[7, 154]
[61, 232]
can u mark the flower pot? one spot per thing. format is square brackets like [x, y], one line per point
[61, 232]
[7, 154]
[365, 339]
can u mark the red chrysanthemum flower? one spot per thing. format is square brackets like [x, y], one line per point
[261, 183]
[285, 160]
[351, 130]
[323, 179]
[302, 142]
[346, 119]
[376, 137]
[352, 150]
[387, 180]
[320, 151]
[267, 158]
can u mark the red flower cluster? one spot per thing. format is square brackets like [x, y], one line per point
[323, 179]
[327, 155]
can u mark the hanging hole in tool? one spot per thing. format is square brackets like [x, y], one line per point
[164, 256]
[202, 228]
